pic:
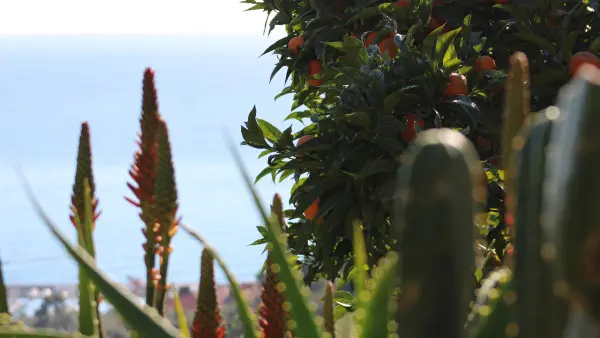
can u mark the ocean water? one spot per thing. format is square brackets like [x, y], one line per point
[206, 87]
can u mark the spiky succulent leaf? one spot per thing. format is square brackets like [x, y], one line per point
[378, 307]
[147, 322]
[296, 292]
[180, 311]
[39, 333]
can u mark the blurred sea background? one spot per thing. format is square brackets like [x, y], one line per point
[206, 86]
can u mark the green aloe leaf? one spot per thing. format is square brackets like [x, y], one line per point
[181, 318]
[246, 316]
[378, 312]
[3, 293]
[295, 292]
[20, 333]
[360, 261]
[145, 321]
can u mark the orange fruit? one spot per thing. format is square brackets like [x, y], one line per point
[314, 67]
[388, 45]
[484, 63]
[303, 139]
[295, 43]
[457, 85]
[403, 3]
[312, 210]
[370, 38]
[581, 58]
[410, 132]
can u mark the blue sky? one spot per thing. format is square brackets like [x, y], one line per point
[78, 63]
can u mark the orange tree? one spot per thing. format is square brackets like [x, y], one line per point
[368, 75]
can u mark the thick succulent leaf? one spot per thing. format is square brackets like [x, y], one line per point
[12, 333]
[181, 318]
[146, 322]
[295, 292]
[378, 312]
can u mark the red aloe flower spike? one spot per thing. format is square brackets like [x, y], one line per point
[83, 171]
[143, 173]
[328, 318]
[164, 207]
[207, 319]
[277, 209]
[272, 314]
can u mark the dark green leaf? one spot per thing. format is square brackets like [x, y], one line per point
[376, 166]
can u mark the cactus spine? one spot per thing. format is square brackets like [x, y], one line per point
[572, 194]
[437, 200]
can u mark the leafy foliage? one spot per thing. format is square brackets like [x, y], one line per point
[387, 71]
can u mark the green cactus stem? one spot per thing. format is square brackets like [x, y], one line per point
[328, 315]
[207, 319]
[165, 208]
[571, 194]
[83, 171]
[516, 110]
[439, 190]
[539, 313]
[143, 173]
